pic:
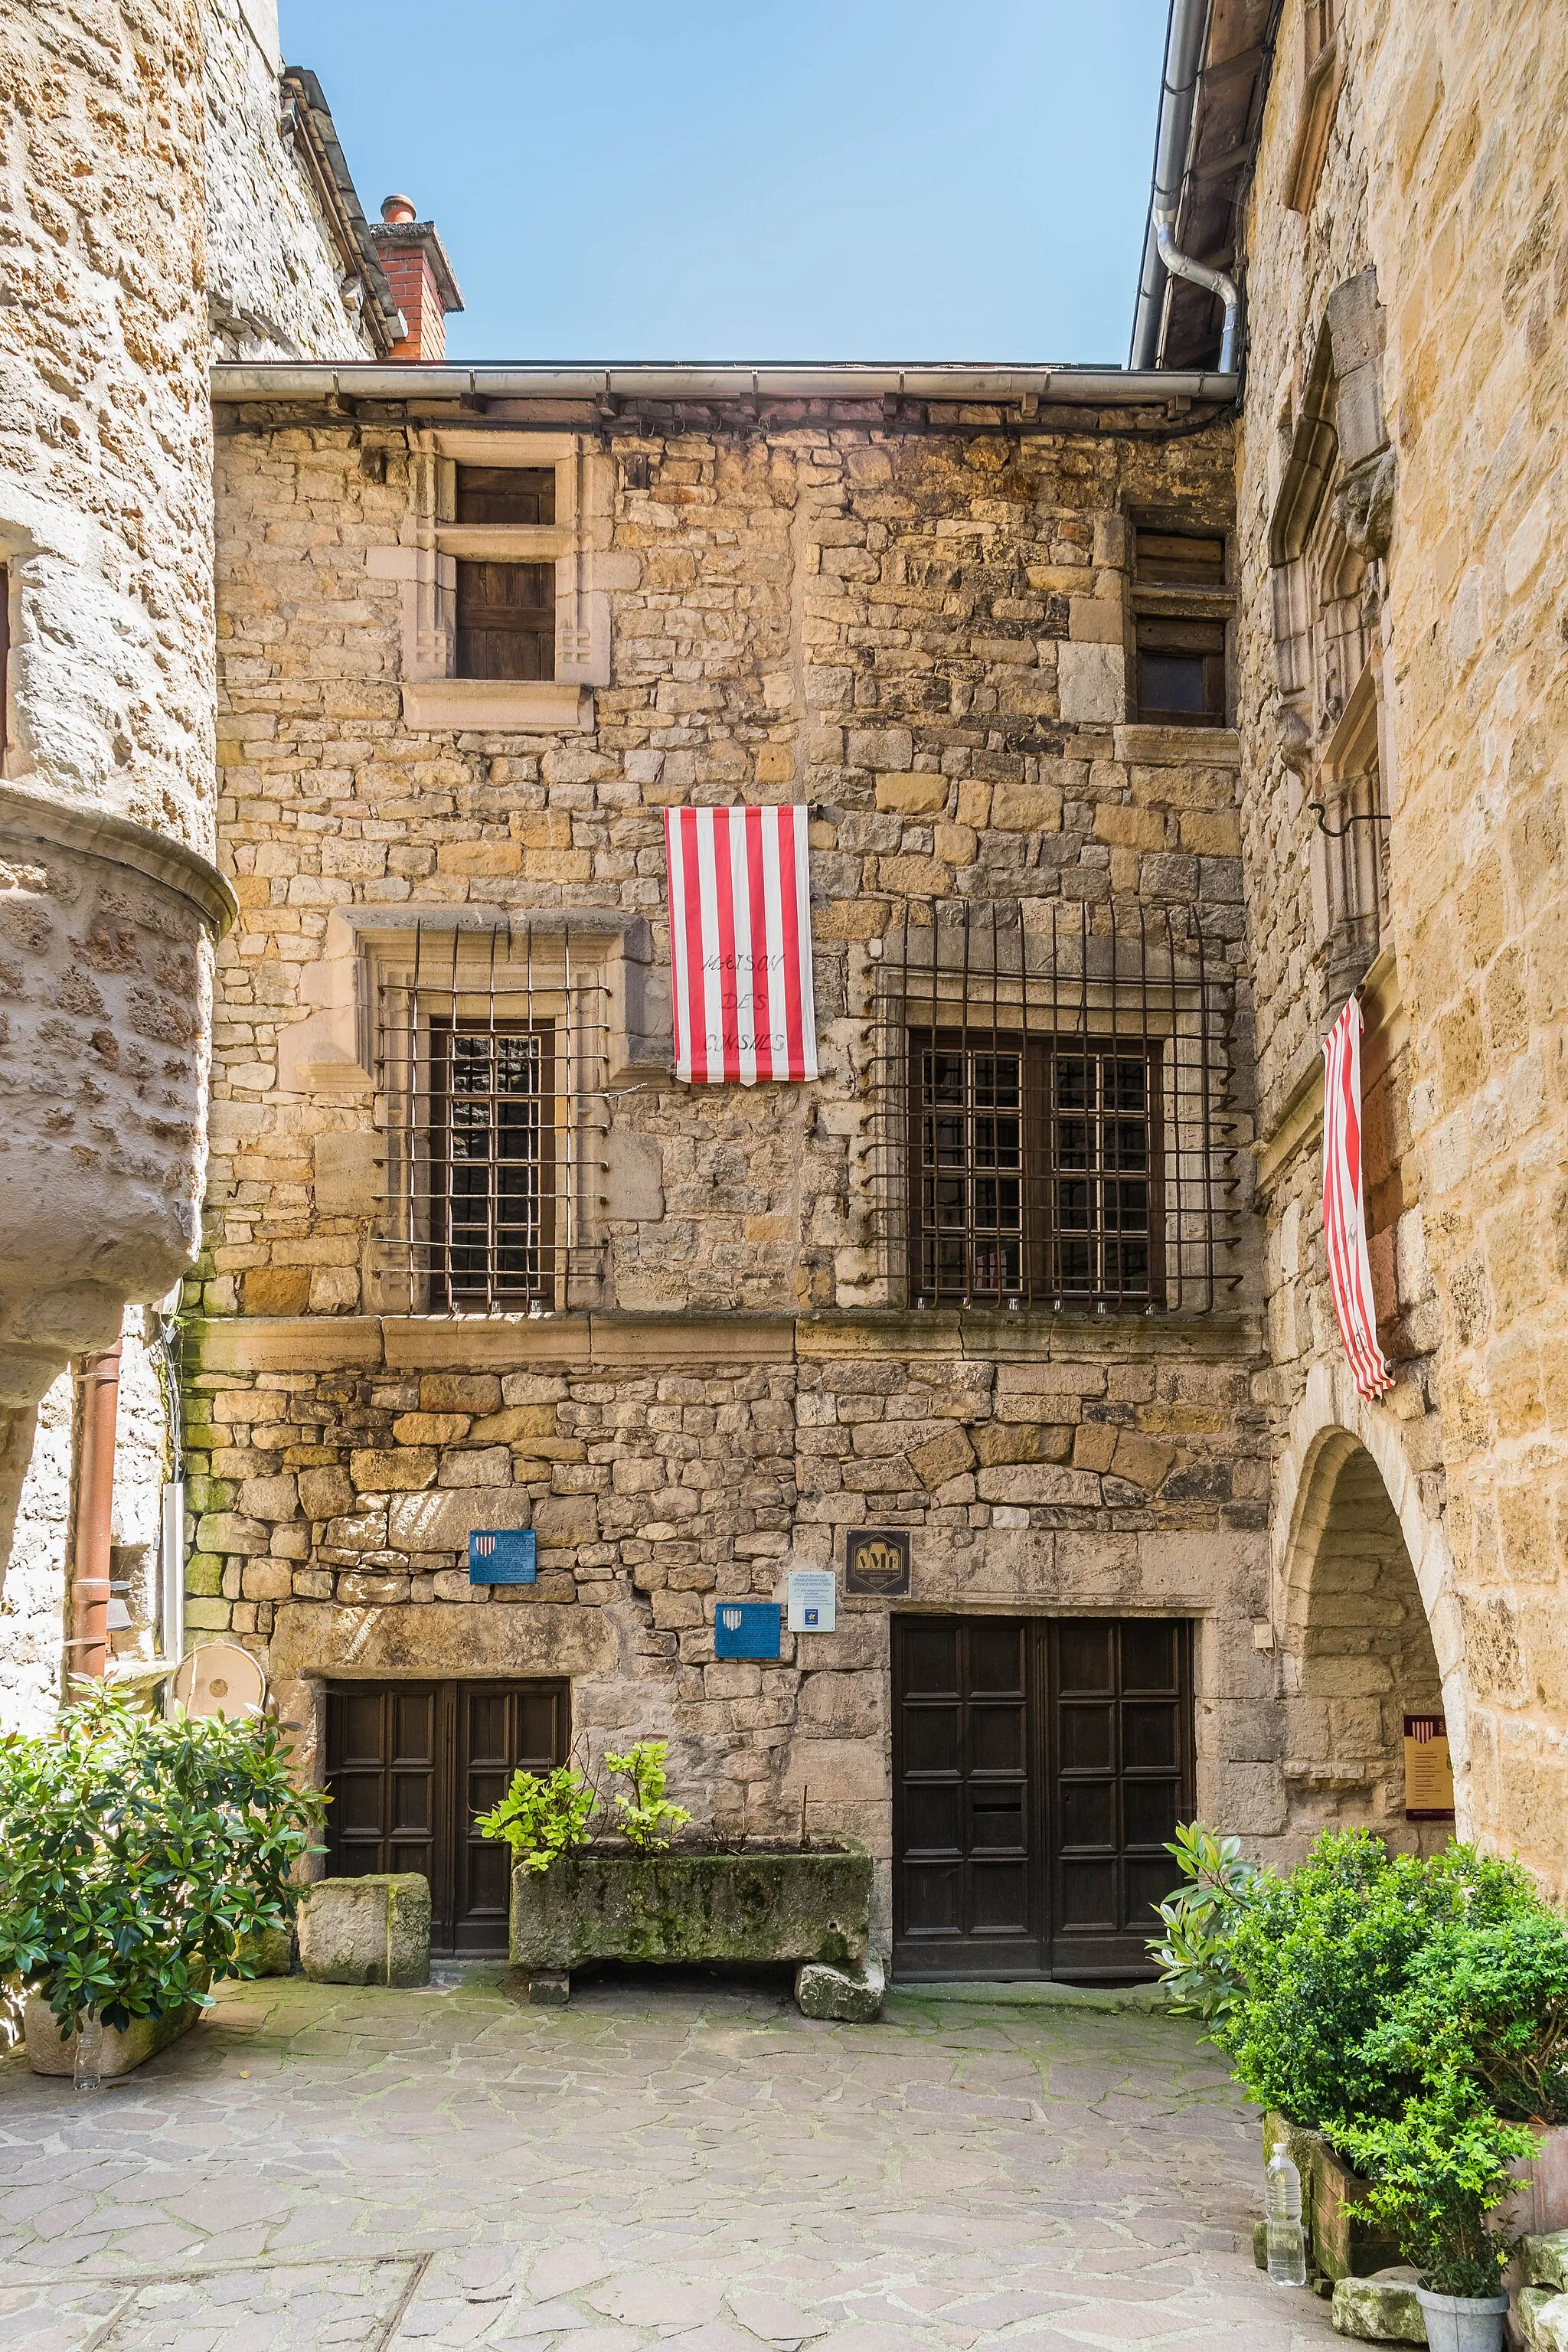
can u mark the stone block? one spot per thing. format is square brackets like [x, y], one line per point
[1544, 2259]
[231, 1531]
[378, 1469]
[1544, 2319]
[692, 1907]
[124, 2048]
[459, 1393]
[944, 1457]
[848, 1994]
[326, 1494]
[1092, 680]
[367, 1931]
[1382, 2309]
[1143, 1460]
[566, 1520]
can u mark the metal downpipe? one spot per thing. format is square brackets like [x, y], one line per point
[86, 1651]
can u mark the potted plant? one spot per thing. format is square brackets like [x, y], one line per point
[1437, 2174]
[143, 1856]
[604, 1882]
[1346, 1988]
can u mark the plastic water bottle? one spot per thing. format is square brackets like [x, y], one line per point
[1286, 2244]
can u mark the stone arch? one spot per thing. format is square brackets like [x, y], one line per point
[1367, 1615]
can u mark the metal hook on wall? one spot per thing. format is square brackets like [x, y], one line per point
[1338, 832]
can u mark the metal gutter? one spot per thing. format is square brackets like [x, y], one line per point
[246, 380]
[1185, 38]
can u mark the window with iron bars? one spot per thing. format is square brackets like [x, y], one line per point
[490, 1064]
[1053, 1120]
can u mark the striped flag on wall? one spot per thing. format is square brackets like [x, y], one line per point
[1344, 1215]
[740, 944]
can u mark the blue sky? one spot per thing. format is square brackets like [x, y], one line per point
[829, 179]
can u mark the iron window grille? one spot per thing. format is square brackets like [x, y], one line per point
[1052, 1119]
[491, 1056]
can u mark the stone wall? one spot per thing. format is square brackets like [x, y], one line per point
[129, 137]
[921, 636]
[273, 265]
[924, 635]
[668, 1464]
[1444, 176]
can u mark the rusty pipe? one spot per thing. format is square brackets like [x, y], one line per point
[88, 1649]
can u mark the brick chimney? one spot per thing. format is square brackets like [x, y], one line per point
[420, 276]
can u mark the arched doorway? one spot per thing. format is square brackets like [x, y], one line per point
[1359, 1654]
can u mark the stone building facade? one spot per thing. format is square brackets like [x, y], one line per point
[918, 623]
[1401, 682]
[166, 194]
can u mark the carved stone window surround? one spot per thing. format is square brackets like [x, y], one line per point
[432, 542]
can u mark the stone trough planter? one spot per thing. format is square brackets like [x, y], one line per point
[813, 1908]
[50, 2051]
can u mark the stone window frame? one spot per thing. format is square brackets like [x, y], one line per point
[333, 1054]
[1328, 541]
[1320, 77]
[425, 563]
[1148, 601]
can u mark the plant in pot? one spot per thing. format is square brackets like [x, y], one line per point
[142, 1856]
[1438, 2173]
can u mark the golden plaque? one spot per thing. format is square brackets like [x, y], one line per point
[878, 1561]
[1428, 1774]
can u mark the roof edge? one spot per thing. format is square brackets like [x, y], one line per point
[235, 381]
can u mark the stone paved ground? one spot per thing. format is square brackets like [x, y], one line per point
[684, 2165]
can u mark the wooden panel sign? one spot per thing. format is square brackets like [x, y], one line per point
[1428, 1774]
[502, 1555]
[878, 1561]
[746, 1629]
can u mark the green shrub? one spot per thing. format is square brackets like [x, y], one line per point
[541, 1815]
[1199, 1919]
[1488, 2000]
[1436, 2173]
[140, 1853]
[647, 1817]
[1325, 1957]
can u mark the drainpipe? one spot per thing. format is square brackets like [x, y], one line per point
[88, 1644]
[1185, 41]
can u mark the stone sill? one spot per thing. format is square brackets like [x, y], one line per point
[449, 706]
[414, 1343]
[1178, 747]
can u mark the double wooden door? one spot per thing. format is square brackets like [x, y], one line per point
[1039, 1766]
[408, 1766]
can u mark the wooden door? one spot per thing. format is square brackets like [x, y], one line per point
[408, 1766]
[1119, 1779]
[967, 1814]
[1039, 1764]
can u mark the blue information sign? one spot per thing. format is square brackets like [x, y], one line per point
[502, 1555]
[746, 1629]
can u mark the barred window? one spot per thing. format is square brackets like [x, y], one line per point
[491, 1063]
[1053, 1123]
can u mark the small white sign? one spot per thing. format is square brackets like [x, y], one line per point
[812, 1601]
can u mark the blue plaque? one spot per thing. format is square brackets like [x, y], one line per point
[502, 1555]
[746, 1629]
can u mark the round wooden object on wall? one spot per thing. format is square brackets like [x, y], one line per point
[220, 1678]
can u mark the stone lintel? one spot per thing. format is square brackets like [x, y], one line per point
[476, 1639]
[392, 1343]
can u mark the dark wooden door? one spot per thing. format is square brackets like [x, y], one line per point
[1039, 1764]
[967, 1814]
[1120, 1777]
[408, 1766]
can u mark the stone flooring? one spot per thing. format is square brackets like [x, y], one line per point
[682, 2164]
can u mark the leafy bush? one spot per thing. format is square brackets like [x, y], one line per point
[541, 1815]
[1199, 1919]
[1488, 2000]
[1324, 1958]
[546, 1815]
[1438, 2171]
[140, 1852]
[647, 1818]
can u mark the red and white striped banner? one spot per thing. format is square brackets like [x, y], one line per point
[1345, 1215]
[740, 944]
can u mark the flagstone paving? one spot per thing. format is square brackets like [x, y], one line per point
[683, 2164]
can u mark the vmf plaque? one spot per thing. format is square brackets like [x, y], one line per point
[878, 1561]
